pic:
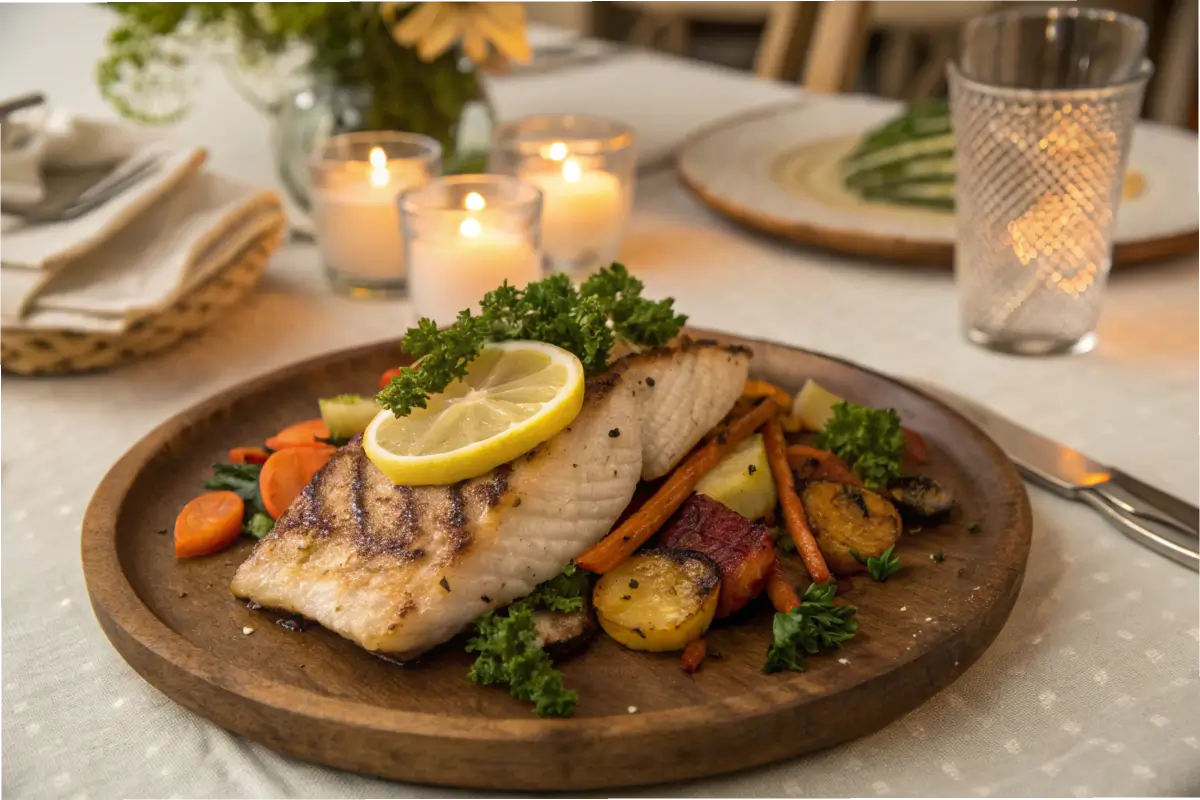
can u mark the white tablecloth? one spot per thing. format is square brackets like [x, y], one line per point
[1091, 688]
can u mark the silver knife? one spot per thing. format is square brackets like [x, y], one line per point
[1153, 518]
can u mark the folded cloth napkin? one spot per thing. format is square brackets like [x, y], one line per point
[194, 232]
[45, 153]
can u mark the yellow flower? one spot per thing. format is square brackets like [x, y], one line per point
[432, 28]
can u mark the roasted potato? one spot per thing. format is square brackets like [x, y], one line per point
[920, 499]
[563, 634]
[658, 600]
[845, 518]
[813, 405]
[742, 480]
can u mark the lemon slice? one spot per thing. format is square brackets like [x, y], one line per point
[515, 396]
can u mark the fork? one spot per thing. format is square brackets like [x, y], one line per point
[92, 197]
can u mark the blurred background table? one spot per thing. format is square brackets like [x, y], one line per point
[1091, 689]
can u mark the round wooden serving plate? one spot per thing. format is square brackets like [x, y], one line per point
[776, 170]
[316, 696]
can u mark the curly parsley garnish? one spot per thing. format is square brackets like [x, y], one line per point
[808, 628]
[587, 321]
[883, 567]
[868, 440]
[509, 652]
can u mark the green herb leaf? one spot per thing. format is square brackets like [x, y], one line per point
[868, 440]
[241, 479]
[784, 541]
[336, 441]
[938, 557]
[258, 526]
[586, 321]
[974, 527]
[509, 653]
[814, 625]
[883, 567]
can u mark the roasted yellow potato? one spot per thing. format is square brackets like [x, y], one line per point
[742, 481]
[844, 517]
[813, 405]
[658, 600]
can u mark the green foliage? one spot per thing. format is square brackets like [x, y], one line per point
[883, 567]
[144, 74]
[586, 321]
[812, 626]
[868, 440]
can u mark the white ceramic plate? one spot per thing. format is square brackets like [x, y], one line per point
[777, 170]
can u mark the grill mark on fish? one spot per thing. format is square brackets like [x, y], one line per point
[456, 521]
[371, 541]
[490, 491]
[356, 499]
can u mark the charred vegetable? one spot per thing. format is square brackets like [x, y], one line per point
[920, 499]
[741, 551]
[658, 600]
[845, 518]
[563, 634]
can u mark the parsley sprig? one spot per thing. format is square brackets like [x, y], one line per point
[881, 568]
[813, 625]
[587, 321]
[509, 653]
[869, 440]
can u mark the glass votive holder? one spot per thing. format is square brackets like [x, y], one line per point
[355, 179]
[585, 167]
[464, 236]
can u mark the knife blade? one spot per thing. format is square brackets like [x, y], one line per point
[1154, 518]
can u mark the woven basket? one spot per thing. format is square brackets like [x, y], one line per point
[48, 352]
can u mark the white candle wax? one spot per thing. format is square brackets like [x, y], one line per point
[583, 211]
[450, 272]
[356, 219]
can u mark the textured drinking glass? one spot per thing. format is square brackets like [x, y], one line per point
[465, 235]
[584, 167]
[1039, 175]
[355, 179]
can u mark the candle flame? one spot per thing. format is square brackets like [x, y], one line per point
[556, 151]
[379, 173]
[470, 228]
[572, 170]
[474, 202]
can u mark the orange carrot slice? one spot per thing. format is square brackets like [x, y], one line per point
[287, 472]
[248, 455]
[302, 434]
[782, 595]
[208, 523]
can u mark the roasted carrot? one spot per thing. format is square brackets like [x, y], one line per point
[836, 471]
[793, 511]
[756, 388]
[782, 595]
[208, 523]
[914, 446]
[248, 455]
[386, 378]
[302, 434]
[637, 529]
[799, 454]
[693, 654]
[287, 472]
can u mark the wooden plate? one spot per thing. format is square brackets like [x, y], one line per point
[315, 696]
[776, 170]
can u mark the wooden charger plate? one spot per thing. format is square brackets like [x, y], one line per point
[316, 696]
[776, 170]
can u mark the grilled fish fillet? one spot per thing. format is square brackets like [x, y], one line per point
[401, 569]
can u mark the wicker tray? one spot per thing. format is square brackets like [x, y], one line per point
[48, 352]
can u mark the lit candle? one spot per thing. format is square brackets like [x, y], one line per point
[354, 212]
[452, 271]
[583, 210]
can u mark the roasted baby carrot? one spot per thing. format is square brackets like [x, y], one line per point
[799, 454]
[820, 465]
[782, 595]
[248, 455]
[693, 655]
[793, 510]
[302, 434]
[914, 446]
[756, 388]
[637, 529]
[287, 472]
[208, 523]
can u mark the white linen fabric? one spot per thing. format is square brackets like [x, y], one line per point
[1090, 689]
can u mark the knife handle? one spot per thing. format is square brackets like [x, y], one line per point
[1143, 531]
[1134, 497]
